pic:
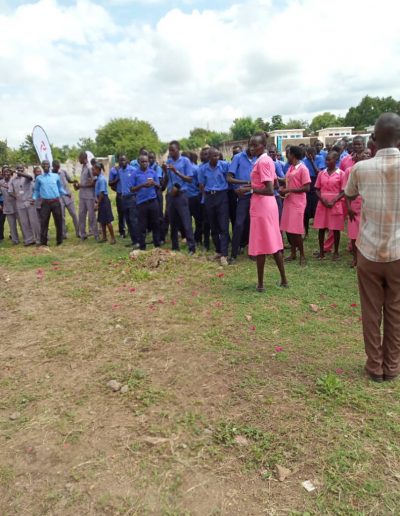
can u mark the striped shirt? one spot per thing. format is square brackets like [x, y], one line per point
[377, 181]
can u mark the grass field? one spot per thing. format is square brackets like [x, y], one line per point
[222, 386]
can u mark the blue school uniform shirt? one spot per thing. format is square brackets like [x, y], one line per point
[279, 173]
[286, 167]
[48, 186]
[320, 160]
[182, 165]
[214, 179]
[241, 167]
[193, 189]
[101, 185]
[145, 194]
[114, 174]
[157, 169]
[308, 164]
[134, 163]
[126, 178]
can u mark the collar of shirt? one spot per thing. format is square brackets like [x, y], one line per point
[390, 151]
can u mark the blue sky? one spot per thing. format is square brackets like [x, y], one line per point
[71, 66]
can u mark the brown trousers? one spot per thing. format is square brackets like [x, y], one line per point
[379, 285]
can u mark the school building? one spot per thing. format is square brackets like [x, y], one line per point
[331, 134]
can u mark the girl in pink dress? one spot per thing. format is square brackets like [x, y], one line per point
[330, 214]
[265, 236]
[354, 212]
[297, 184]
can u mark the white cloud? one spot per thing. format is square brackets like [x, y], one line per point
[73, 68]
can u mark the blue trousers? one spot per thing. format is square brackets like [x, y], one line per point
[217, 208]
[242, 223]
[179, 216]
[130, 214]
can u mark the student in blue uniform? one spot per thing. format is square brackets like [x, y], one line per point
[177, 174]
[105, 215]
[115, 184]
[310, 161]
[213, 182]
[280, 174]
[158, 170]
[146, 184]
[239, 174]
[320, 155]
[195, 197]
[126, 175]
[206, 229]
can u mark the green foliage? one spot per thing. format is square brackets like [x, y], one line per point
[243, 128]
[324, 120]
[277, 123]
[126, 136]
[369, 109]
[329, 385]
[4, 152]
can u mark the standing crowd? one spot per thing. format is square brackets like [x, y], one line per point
[261, 196]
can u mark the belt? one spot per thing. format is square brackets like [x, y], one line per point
[51, 201]
[147, 202]
[214, 192]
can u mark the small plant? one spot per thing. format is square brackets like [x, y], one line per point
[329, 385]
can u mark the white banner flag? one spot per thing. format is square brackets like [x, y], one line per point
[42, 144]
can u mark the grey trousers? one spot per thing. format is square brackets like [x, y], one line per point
[70, 207]
[12, 222]
[30, 224]
[86, 209]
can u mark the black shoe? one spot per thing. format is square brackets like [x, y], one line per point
[375, 378]
[232, 260]
[388, 378]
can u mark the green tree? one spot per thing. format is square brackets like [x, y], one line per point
[4, 152]
[294, 123]
[324, 120]
[243, 128]
[277, 123]
[126, 135]
[262, 125]
[26, 152]
[369, 109]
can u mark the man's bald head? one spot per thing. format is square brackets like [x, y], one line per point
[387, 131]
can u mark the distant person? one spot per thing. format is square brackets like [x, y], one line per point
[320, 155]
[377, 181]
[177, 174]
[9, 204]
[87, 199]
[195, 196]
[297, 185]
[213, 182]
[146, 183]
[49, 189]
[21, 188]
[265, 235]
[279, 174]
[115, 184]
[2, 215]
[239, 174]
[159, 173]
[329, 214]
[126, 173]
[105, 215]
[67, 201]
[312, 164]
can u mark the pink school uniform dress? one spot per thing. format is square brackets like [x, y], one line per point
[294, 206]
[265, 236]
[353, 226]
[330, 186]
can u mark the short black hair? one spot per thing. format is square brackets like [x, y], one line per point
[296, 151]
[175, 143]
[262, 135]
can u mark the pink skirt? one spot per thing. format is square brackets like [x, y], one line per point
[265, 235]
[329, 218]
[292, 220]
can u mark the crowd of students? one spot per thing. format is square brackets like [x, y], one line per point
[205, 194]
